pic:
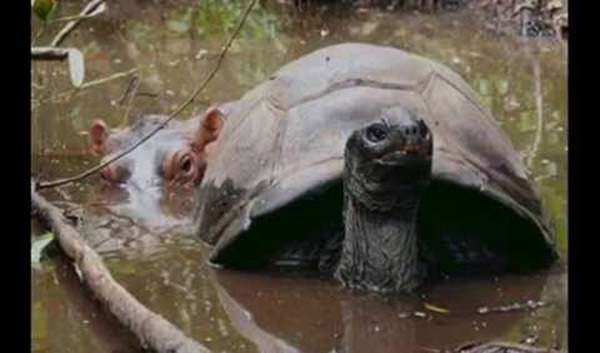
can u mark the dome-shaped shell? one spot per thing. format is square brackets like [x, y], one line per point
[286, 137]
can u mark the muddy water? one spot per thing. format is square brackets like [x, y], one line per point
[173, 45]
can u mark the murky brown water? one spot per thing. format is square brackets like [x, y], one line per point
[173, 46]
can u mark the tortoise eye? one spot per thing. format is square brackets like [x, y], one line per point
[376, 133]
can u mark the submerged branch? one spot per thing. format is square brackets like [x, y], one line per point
[171, 116]
[151, 329]
[501, 347]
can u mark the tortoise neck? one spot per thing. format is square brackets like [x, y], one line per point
[379, 251]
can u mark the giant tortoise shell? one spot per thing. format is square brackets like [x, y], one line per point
[271, 193]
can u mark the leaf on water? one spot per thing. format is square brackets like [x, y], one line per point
[37, 248]
[436, 309]
[76, 66]
[45, 9]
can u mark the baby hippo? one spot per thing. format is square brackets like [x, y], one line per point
[176, 155]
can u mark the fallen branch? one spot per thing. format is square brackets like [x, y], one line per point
[151, 329]
[162, 125]
[87, 10]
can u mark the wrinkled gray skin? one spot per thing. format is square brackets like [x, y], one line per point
[387, 169]
[273, 194]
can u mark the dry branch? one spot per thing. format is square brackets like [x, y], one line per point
[151, 329]
[48, 53]
[86, 85]
[88, 9]
[171, 116]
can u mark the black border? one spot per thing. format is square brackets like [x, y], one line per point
[580, 232]
[17, 167]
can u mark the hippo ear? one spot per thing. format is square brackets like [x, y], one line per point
[210, 126]
[99, 137]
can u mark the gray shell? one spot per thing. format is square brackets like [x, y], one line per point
[286, 137]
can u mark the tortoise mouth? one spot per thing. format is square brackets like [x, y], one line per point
[405, 155]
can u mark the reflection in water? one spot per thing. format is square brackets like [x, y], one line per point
[245, 312]
[298, 314]
[60, 309]
[153, 208]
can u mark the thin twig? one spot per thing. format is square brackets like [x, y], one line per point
[167, 120]
[71, 18]
[89, 8]
[87, 85]
[132, 94]
[39, 33]
[125, 94]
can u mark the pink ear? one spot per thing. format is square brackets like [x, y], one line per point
[99, 136]
[210, 126]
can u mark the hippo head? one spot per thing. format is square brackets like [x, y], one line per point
[176, 155]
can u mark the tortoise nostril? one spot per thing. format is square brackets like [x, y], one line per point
[411, 130]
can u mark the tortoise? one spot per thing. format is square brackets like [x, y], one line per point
[374, 165]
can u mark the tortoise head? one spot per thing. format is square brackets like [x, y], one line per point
[389, 159]
[387, 168]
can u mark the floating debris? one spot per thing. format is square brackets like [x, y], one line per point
[403, 315]
[420, 314]
[436, 309]
[529, 305]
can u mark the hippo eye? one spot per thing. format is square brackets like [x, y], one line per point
[185, 164]
[181, 168]
[376, 133]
